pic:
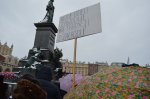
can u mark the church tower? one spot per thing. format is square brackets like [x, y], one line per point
[11, 49]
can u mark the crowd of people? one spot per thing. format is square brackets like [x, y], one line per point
[29, 87]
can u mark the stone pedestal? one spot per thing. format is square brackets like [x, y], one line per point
[45, 36]
[44, 41]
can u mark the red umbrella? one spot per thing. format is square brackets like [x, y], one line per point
[9, 75]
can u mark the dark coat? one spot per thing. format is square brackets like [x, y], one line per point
[62, 92]
[44, 76]
[4, 93]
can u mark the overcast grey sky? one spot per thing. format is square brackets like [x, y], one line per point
[125, 29]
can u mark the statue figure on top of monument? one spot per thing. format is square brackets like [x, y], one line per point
[50, 12]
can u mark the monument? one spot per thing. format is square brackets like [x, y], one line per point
[44, 39]
[45, 34]
[46, 30]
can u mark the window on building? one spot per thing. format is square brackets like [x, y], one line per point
[1, 69]
[7, 70]
[9, 59]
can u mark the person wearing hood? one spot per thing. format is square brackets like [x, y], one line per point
[44, 76]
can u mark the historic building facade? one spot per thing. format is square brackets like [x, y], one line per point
[83, 68]
[7, 60]
[80, 67]
[93, 68]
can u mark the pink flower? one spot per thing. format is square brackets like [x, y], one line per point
[119, 83]
[114, 93]
[98, 91]
[80, 94]
[145, 97]
[134, 77]
[137, 85]
[105, 81]
[130, 96]
[140, 71]
[107, 89]
[142, 77]
[130, 80]
[98, 78]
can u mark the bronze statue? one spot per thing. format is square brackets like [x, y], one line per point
[50, 12]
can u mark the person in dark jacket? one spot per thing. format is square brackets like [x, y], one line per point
[44, 76]
[62, 92]
[30, 78]
[4, 93]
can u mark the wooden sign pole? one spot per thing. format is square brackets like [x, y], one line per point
[74, 66]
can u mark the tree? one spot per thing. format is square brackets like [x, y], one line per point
[55, 62]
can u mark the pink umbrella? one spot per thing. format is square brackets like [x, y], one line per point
[9, 75]
[66, 81]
